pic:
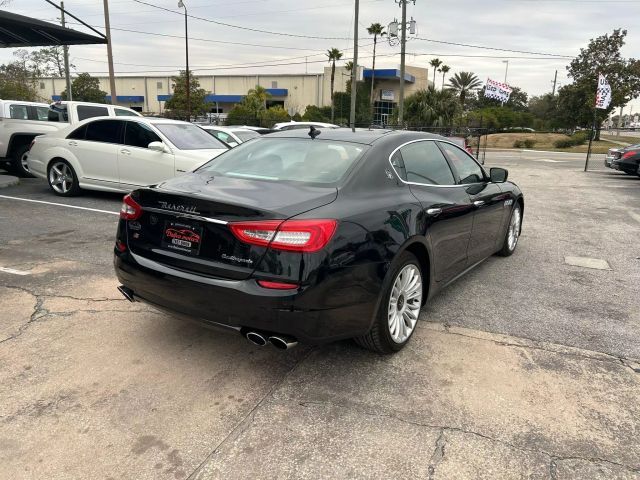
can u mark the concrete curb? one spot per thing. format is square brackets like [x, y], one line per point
[8, 181]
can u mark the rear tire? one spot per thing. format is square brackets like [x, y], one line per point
[62, 178]
[512, 235]
[19, 162]
[399, 308]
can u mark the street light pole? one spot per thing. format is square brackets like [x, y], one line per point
[506, 70]
[107, 27]
[403, 46]
[354, 69]
[186, 47]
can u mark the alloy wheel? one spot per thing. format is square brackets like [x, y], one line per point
[404, 303]
[61, 177]
[24, 163]
[514, 229]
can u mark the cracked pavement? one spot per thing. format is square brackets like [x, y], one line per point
[524, 368]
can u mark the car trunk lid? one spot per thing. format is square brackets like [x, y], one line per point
[185, 221]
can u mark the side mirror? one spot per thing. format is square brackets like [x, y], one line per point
[498, 175]
[157, 147]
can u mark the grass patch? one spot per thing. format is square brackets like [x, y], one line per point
[621, 138]
[541, 141]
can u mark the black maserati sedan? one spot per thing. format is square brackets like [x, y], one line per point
[315, 236]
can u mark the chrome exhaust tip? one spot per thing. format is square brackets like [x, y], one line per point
[283, 342]
[256, 338]
[127, 292]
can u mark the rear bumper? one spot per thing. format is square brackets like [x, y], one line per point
[315, 314]
[625, 166]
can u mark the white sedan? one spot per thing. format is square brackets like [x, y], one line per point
[232, 136]
[118, 155]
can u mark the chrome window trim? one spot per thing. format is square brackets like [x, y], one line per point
[186, 215]
[430, 184]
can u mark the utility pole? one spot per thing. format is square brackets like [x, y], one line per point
[506, 70]
[181, 4]
[65, 49]
[354, 69]
[107, 27]
[403, 46]
[555, 81]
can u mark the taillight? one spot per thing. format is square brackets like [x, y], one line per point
[130, 210]
[291, 235]
[630, 154]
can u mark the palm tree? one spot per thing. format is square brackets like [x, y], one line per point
[463, 83]
[333, 55]
[444, 69]
[435, 63]
[261, 96]
[376, 30]
[431, 107]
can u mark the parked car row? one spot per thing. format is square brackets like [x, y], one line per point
[624, 159]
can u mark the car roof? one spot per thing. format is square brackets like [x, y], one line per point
[364, 136]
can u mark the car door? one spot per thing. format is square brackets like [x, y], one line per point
[446, 207]
[95, 146]
[487, 199]
[137, 164]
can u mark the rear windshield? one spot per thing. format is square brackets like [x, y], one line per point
[189, 137]
[288, 159]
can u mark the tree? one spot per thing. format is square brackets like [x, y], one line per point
[273, 115]
[17, 82]
[444, 69]
[49, 62]
[435, 63]
[86, 88]
[317, 114]
[333, 55]
[431, 108]
[462, 83]
[342, 102]
[602, 56]
[177, 104]
[376, 30]
[256, 100]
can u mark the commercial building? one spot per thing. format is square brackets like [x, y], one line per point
[294, 92]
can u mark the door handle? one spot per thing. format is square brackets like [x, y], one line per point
[434, 211]
[478, 203]
[73, 143]
[124, 151]
[178, 170]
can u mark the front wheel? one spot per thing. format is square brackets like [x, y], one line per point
[63, 179]
[513, 233]
[399, 308]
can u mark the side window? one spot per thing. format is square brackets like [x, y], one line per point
[42, 113]
[104, 131]
[58, 113]
[139, 135]
[19, 112]
[468, 170]
[121, 112]
[78, 133]
[221, 136]
[425, 163]
[89, 111]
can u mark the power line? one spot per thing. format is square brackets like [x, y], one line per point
[492, 48]
[283, 34]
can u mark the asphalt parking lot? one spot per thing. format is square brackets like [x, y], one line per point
[529, 366]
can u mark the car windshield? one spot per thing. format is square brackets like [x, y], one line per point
[287, 159]
[245, 135]
[189, 137]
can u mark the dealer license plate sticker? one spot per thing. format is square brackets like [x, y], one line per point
[182, 237]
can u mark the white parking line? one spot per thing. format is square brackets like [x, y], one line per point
[60, 205]
[14, 271]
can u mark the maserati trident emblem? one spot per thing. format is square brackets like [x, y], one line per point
[178, 208]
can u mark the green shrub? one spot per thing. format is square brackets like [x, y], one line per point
[526, 143]
[563, 143]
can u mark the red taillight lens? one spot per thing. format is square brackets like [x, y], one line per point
[130, 210]
[630, 154]
[277, 285]
[292, 235]
[120, 246]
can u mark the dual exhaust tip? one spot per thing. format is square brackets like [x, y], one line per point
[281, 342]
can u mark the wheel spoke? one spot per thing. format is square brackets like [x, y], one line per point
[405, 301]
[56, 169]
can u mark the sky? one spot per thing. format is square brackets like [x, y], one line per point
[556, 28]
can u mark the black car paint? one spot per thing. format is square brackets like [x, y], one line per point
[379, 216]
[629, 164]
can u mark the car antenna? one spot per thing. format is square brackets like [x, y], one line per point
[313, 132]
